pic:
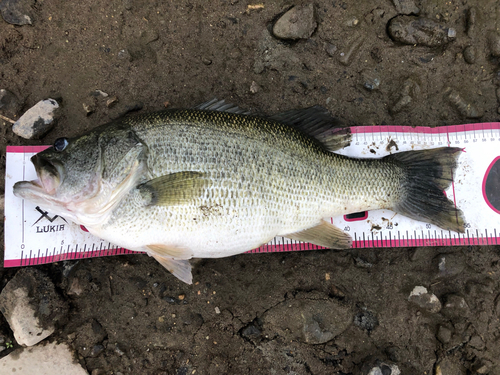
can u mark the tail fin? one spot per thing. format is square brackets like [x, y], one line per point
[427, 174]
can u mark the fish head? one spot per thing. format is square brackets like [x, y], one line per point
[86, 176]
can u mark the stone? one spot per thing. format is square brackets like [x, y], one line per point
[449, 264]
[111, 102]
[297, 23]
[409, 91]
[37, 121]
[455, 307]
[444, 334]
[16, 12]
[470, 54]
[493, 39]
[89, 107]
[365, 319]
[449, 366]
[371, 79]
[471, 21]
[373, 366]
[48, 359]
[419, 31]
[330, 49]
[463, 106]
[308, 318]
[406, 7]
[9, 104]
[254, 87]
[31, 306]
[476, 342]
[426, 301]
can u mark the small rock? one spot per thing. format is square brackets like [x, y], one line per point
[419, 31]
[37, 120]
[444, 334]
[371, 79]
[9, 104]
[111, 102]
[455, 307]
[252, 331]
[378, 367]
[494, 43]
[366, 320]
[471, 21]
[470, 54]
[426, 301]
[330, 49]
[464, 107]
[409, 91]
[16, 12]
[206, 61]
[476, 342]
[31, 306]
[97, 93]
[298, 23]
[406, 7]
[124, 54]
[96, 350]
[75, 288]
[254, 87]
[48, 359]
[482, 366]
[362, 263]
[350, 52]
[89, 108]
[352, 22]
[449, 366]
[119, 351]
[449, 264]
[310, 320]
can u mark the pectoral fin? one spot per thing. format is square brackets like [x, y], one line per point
[173, 189]
[180, 268]
[323, 234]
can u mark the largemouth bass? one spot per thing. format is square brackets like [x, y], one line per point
[214, 182]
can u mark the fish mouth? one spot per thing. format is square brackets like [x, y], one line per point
[49, 178]
[49, 174]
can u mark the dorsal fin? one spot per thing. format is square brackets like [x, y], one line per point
[221, 106]
[317, 122]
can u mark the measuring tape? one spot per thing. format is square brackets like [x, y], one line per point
[35, 236]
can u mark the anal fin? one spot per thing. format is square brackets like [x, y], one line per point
[180, 268]
[323, 234]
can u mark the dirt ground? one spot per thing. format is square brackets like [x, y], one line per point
[245, 314]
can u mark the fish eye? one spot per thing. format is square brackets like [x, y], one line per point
[60, 144]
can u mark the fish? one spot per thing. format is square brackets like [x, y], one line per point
[215, 181]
